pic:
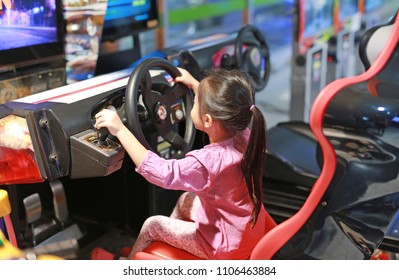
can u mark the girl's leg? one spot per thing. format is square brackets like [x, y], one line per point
[186, 207]
[178, 233]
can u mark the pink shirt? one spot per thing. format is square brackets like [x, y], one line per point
[214, 174]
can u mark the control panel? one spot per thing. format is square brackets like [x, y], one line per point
[92, 157]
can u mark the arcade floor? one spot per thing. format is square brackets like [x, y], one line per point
[113, 240]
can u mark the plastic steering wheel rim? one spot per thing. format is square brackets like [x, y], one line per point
[140, 76]
[263, 48]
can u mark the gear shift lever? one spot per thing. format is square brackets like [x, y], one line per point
[102, 134]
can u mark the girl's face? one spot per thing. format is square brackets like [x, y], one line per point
[195, 115]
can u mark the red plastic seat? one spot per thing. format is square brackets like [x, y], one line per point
[163, 251]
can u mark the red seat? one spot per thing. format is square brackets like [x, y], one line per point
[163, 251]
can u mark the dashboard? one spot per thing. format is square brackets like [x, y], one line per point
[58, 126]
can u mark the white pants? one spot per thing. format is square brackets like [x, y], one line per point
[178, 230]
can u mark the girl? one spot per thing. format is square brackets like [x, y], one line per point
[221, 214]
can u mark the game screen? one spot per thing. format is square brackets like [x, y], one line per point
[318, 16]
[348, 8]
[27, 23]
[126, 17]
[373, 5]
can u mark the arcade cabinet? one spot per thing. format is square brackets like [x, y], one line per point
[313, 24]
[375, 12]
[343, 45]
[69, 181]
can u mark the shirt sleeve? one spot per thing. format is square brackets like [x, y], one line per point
[186, 174]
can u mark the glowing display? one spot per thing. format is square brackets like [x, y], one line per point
[32, 22]
[30, 31]
[128, 17]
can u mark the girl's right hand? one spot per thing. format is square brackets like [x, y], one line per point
[187, 79]
[109, 119]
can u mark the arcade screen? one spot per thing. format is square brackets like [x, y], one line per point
[318, 16]
[128, 17]
[30, 30]
[373, 5]
[348, 8]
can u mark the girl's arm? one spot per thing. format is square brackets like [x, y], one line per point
[185, 174]
[110, 119]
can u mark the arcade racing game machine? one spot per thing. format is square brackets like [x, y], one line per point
[47, 141]
[357, 215]
[344, 42]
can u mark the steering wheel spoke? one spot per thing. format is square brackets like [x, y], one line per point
[174, 139]
[176, 92]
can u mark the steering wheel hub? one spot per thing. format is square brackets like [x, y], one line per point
[161, 112]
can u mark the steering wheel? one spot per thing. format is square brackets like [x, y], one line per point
[255, 59]
[165, 109]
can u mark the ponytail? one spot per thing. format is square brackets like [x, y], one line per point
[253, 161]
[230, 99]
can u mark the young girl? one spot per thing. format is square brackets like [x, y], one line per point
[221, 214]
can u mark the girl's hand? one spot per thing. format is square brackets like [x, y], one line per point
[187, 79]
[109, 119]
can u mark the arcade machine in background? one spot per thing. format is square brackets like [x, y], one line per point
[375, 12]
[246, 48]
[351, 19]
[313, 27]
[32, 48]
[343, 45]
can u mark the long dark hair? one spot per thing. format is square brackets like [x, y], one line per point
[229, 99]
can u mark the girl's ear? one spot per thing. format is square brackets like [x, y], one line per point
[208, 122]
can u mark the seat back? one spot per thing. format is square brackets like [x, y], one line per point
[356, 197]
[373, 41]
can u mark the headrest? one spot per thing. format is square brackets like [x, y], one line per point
[373, 41]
